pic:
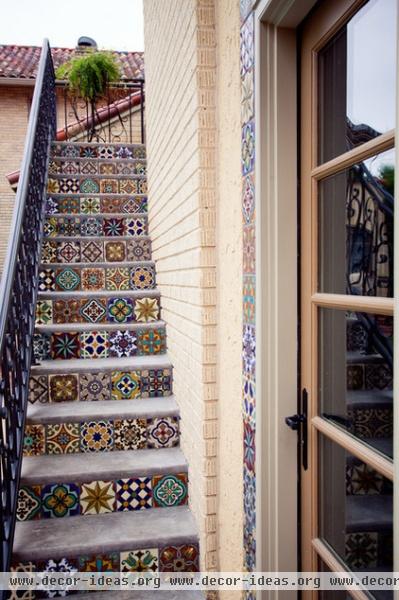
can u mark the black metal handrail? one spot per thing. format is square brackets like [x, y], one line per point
[18, 292]
[110, 119]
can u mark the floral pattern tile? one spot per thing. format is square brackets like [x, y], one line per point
[94, 344]
[130, 434]
[60, 500]
[117, 279]
[63, 387]
[34, 440]
[139, 560]
[122, 343]
[67, 279]
[97, 436]
[138, 250]
[156, 382]
[133, 494]
[93, 279]
[65, 345]
[94, 387]
[120, 310]
[115, 251]
[170, 490]
[179, 558]
[163, 432]
[66, 311]
[62, 438]
[38, 389]
[125, 385]
[142, 278]
[146, 310]
[29, 503]
[97, 498]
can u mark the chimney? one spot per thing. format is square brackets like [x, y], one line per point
[85, 43]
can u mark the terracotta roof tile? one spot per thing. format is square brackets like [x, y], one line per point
[21, 62]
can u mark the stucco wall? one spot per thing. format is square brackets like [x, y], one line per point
[193, 144]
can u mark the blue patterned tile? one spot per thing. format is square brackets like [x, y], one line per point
[247, 45]
[248, 148]
[249, 350]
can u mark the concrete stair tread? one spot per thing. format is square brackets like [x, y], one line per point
[51, 295]
[140, 595]
[94, 365]
[95, 175]
[104, 215]
[92, 238]
[98, 326]
[96, 195]
[56, 143]
[92, 159]
[357, 357]
[97, 534]
[98, 265]
[107, 466]
[369, 398]
[369, 512]
[75, 412]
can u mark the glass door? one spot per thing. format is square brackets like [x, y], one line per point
[348, 67]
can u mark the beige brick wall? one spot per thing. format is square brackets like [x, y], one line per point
[195, 224]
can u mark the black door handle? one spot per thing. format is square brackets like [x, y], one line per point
[299, 423]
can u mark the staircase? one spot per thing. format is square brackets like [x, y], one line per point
[104, 483]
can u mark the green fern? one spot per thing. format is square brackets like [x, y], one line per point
[89, 75]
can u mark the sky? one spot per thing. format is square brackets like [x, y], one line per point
[28, 22]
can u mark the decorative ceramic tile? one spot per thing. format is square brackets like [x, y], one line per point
[90, 206]
[60, 500]
[245, 8]
[89, 167]
[133, 494]
[249, 400]
[49, 252]
[99, 563]
[138, 249]
[94, 344]
[68, 252]
[120, 310]
[146, 309]
[38, 389]
[34, 440]
[94, 310]
[249, 290]
[163, 432]
[97, 497]
[134, 204]
[247, 96]
[249, 446]
[53, 186]
[114, 227]
[170, 490]
[117, 279]
[69, 185]
[249, 249]
[46, 280]
[129, 186]
[156, 382]
[151, 341]
[115, 251]
[142, 186]
[248, 199]
[67, 311]
[91, 227]
[68, 226]
[94, 386]
[65, 345]
[122, 343]
[108, 186]
[355, 377]
[50, 227]
[249, 349]
[139, 560]
[44, 312]
[92, 252]
[62, 438]
[179, 558]
[41, 346]
[107, 169]
[249, 501]
[68, 205]
[247, 45]
[63, 387]
[136, 226]
[93, 279]
[361, 550]
[125, 385]
[378, 376]
[363, 480]
[105, 152]
[97, 436]
[67, 279]
[89, 186]
[29, 503]
[130, 434]
[372, 422]
[88, 151]
[142, 278]
[51, 206]
[111, 205]
[63, 565]
[248, 148]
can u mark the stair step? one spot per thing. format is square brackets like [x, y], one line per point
[76, 412]
[359, 399]
[95, 250]
[97, 150]
[46, 469]
[76, 340]
[369, 513]
[97, 276]
[99, 184]
[94, 166]
[82, 294]
[122, 532]
[109, 307]
[355, 357]
[96, 227]
[71, 204]
[103, 364]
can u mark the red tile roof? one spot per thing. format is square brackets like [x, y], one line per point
[21, 62]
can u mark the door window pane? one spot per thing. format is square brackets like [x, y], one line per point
[356, 508]
[355, 375]
[355, 233]
[356, 72]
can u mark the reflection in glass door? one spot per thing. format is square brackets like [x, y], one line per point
[348, 67]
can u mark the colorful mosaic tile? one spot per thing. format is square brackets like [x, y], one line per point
[68, 205]
[94, 310]
[97, 498]
[142, 278]
[163, 432]
[93, 279]
[91, 227]
[249, 349]
[41, 346]
[249, 400]
[248, 199]
[99, 563]
[34, 440]
[133, 494]
[249, 249]
[117, 279]
[134, 204]
[65, 345]
[115, 251]
[120, 310]
[63, 388]
[92, 252]
[44, 312]
[151, 341]
[67, 279]
[97, 436]
[49, 252]
[62, 438]
[88, 151]
[249, 446]
[146, 310]
[114, 227]
[130, 434]
[90, 206]
[60, 500]
[94, 344]
[247, 96]
[107, 169]
[138, 249]
[89, 186]
[29, 503]
[94, 386]
[170, 490]
[122, 343]
[46, 280]
[248, 148]
[125, 385]
[179, 558]
[249, 291]
[68, 252]
[66, 311]
[38, 390]
[247, 45]
[139, 560]
[108, 186]
[136, 226]
[156, 382]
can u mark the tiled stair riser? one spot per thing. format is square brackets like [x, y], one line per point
[95, 205]
[100, 151]
[66, 345]
[96, 226]
[104, 385]
[96, 251]
[96, 278]
[61, 499]
[107, 435]
[97, 310]
[96, 185]
[82, 166]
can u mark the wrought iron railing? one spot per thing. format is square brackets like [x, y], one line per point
[18, 292]
[118, 116]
